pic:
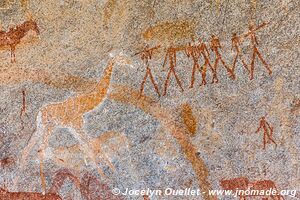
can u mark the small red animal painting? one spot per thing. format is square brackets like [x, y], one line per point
[14, 35]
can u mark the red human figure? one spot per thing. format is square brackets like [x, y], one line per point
[215, 46]
[146, 55]
[202, 48]
[191, 51]
[251, 34]
[235, 44]
[171, 54]
[268, 132]
[195, 52]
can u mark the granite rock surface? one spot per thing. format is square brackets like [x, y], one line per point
[102, 96]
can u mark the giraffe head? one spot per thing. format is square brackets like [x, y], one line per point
[120, 59]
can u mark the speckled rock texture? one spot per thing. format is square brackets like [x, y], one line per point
[102, 97]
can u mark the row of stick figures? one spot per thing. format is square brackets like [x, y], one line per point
[199, 49]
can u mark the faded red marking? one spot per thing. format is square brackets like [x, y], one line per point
[23, 109]
[268, 132]
[59, 179]
[6, 162]
[170, 32]
[96, 190]
[296, 105]
[42, 176]
[89, 186]
[240, 183]
[189, 119]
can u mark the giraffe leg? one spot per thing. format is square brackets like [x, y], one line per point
[33, 140]
[41, 152]
[105, 158]
[83, 140]
[42, 176]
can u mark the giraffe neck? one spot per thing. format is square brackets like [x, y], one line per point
[91, 100]
[103, 85]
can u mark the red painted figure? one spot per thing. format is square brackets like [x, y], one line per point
[191, 51]
[195, 51]
[251, 34]
[171, 54]
[146, 55]
[215, 46]
[268, 131]
[235, 44]
[13, 37]
[202, 48]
